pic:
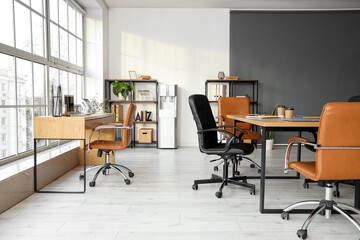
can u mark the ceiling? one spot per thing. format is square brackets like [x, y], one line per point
[234, 4]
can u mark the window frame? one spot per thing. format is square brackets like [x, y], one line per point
[47, 60]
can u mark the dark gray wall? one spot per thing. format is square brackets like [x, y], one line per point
[302, 59]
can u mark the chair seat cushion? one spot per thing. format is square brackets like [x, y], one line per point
[107, 145]
[235, 148]
[305, 168]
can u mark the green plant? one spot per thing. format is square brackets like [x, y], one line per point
[101, 105]
[122, 87]
[269, 135]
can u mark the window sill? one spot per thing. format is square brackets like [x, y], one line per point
[13, 168]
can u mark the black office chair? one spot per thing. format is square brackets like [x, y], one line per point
[208, 143]
[336, 193]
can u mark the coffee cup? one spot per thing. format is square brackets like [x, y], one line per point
[281, 111]
[289, 112]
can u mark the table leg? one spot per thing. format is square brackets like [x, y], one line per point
[298, 155]
[263, 169]
[35, 170]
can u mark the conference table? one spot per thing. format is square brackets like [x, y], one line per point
[277, 124]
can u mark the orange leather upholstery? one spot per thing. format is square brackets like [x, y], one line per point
[126, 133]
[236, 105]
[339, 127]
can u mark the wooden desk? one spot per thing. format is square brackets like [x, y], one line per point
[275, 124]
[74, 128]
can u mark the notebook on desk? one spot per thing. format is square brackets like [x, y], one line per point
[302, 119]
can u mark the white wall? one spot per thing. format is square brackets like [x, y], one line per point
[178, 46]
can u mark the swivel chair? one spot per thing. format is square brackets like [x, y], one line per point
[237, 105]
[110, 146]
[208, 144]
[337, 159]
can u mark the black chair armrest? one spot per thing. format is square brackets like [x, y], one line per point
[228, 141]
[242, 132]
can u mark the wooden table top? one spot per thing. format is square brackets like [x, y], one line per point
[272, 122]
[87, 117]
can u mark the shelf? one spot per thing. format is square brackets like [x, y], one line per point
[131, 80]
[137, 142]
[127, 101]
[213, 101]
[225, 80]
[145, 122]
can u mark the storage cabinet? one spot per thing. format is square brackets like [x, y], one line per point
[145, 97]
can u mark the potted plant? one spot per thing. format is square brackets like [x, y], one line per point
[101, 106]
[269, 135]
[122, 89]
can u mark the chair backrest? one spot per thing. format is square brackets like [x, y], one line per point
[234, 105]
[339, 127]
[204, 119]
[354, 99]
[128, 122]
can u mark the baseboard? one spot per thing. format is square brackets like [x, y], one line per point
[21, 185]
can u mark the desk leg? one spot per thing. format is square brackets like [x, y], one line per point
[263, 169]
[35, 170]
[84, 165]
[357, 195]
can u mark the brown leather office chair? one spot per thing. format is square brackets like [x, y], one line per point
[110, 146]
[237, 105]
[337, 158]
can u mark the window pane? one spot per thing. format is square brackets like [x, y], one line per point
[25, 127]
[53, 81]
[79, 57]
[54, 10]
[40, 111]
[27, 2]
[64, 45]
[39, 84]
[24, 81]
[54, 32]
[64, 82]
[63, 14]
[72, 18]
[38, 34]
[72, 85]
[72, 49]
[37, 5]
[79, 83]
[22, 27]
[79, 24]
[6, 20]
[7, 80]
[8, 130]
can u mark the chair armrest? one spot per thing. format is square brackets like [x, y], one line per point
[228, 142]
[107, 126]
[291, 142]
[242, 132]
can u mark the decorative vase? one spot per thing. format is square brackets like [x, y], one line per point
[221, 75]
[121, 97]
[269, 144]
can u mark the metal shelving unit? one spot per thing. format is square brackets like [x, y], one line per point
[254, 98]
[134, 83]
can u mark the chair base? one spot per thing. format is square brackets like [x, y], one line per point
[104, 168]
[225, 180]
[237, 163]
[326, 206]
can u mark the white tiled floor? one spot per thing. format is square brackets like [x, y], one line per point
[160, 204]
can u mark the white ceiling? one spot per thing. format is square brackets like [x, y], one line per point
[235, 4]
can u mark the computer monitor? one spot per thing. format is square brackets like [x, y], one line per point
[69, 101]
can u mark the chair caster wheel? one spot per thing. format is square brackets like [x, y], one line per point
[302, 233]
[322, 213]
[195, 187]
[127, 181]
[104, 172]
[216, 168]
[336, 193]
[306, 185]
[131, 174]
[218, 194]
[252, 165]
[259, 171]
[92, 184]
[81, 177]
[285, 215]
[237, 173]
[252, 191]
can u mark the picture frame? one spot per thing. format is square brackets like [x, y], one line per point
[133, 75]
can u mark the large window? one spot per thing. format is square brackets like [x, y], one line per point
[31, 66]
